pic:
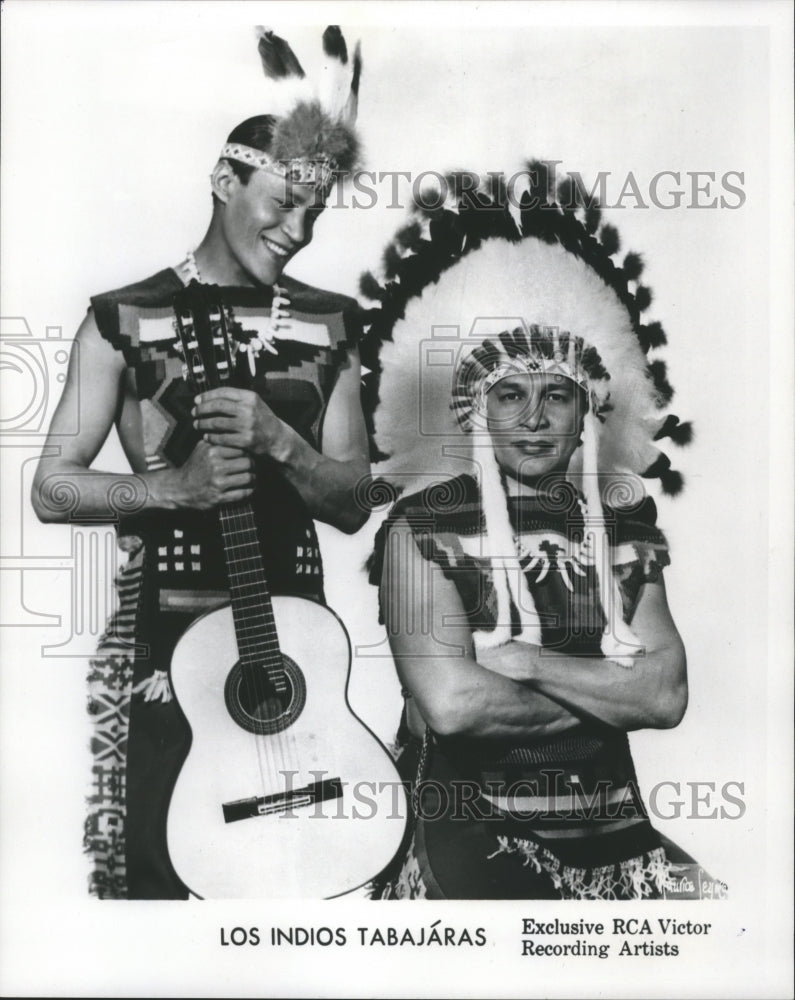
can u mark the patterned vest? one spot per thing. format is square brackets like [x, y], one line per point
[184, 547]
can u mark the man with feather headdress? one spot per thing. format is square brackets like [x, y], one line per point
[299, 435]
[521, 573]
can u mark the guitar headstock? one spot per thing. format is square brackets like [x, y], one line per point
[203, 326]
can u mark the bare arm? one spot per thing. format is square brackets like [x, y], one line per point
[652, 693]
[326, 480]
[433, 651]
[65, 486]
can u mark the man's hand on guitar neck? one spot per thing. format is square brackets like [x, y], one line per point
[326, 480]
[238, 418]
[212, 475]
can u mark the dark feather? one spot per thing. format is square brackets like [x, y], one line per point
[651, 335]
[660, 465]
[497, 189]
[593, 216]
[592, 364]
[447, 234]
[611, 241]
[334, 44]
[567, 194]
[357, 69]
[633, 266]
[391, 260]
[659, 374]
[539, 180]
[463, 184]
[352, 104]
[584, 197]
[672, 482]
[409, 236]
[680, 434]
[278, 59]
[416, 271]
[642, 297]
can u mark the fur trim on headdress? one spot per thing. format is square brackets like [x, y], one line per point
[308, 133]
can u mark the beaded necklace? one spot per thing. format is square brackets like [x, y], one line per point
[279, 317]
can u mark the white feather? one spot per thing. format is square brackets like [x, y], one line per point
[334, 85]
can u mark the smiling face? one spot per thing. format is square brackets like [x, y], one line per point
[535, 423]
[264, 223]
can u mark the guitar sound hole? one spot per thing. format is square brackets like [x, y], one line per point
[261, 707]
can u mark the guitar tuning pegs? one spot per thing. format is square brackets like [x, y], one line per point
[179, 348]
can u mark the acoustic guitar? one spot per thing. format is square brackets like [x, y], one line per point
[284, 792]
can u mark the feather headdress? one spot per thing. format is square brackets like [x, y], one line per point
[314, 138]
[481, 266]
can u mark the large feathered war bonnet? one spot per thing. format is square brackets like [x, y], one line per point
[487, 286]
[314, 139]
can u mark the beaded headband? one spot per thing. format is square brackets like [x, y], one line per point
[318, 172]
[523, 351]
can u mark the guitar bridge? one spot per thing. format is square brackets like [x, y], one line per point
[267, 805]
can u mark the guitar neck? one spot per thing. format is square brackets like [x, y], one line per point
[202, 324]
[252, 610]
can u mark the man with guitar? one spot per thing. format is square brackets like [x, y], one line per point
[295, 438]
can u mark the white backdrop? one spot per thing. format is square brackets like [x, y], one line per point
[113, 115]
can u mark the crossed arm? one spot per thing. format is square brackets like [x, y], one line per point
[519, 690]
[238, 428]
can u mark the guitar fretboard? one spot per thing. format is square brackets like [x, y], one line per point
[202, 326]
[255, 626]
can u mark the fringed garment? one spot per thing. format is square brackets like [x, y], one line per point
[561, 817]
[175, 569]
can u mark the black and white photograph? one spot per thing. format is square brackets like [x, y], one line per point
[397, 499]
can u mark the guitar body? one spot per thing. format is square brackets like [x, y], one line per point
[311, 810]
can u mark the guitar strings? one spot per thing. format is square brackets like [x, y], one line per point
[285, 738]
[248, 658]
[273, 747]
[278, 744]
[265, 762]
[272, 750]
